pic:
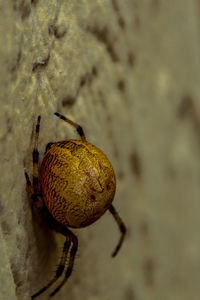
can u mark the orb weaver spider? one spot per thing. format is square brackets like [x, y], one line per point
[74, 188]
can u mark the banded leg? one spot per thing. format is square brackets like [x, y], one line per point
[122, 229]
[70, 265]
[35, 189]
[70, 239]
[36, 186]
[79, 129]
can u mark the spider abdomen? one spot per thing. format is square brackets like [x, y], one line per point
[77, 181]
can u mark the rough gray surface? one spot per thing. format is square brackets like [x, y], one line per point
[128, 72]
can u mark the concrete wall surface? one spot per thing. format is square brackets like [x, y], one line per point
[128, 71]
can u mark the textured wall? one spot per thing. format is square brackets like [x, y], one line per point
[127, 71]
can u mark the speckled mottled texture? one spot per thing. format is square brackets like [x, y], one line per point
[128, 72]
[77, 182]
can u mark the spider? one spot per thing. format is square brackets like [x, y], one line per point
[74, 187]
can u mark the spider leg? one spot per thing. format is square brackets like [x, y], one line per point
[35, 189]
[79, 129]
[122, 229]
[28, 182]
[70, 239]
[60, 268]
[70, 265]
[36, 185]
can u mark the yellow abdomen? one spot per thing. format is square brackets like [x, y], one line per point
[77, 181]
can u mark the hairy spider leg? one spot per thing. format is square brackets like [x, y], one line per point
[35, 189]
[79, 129]
[70, 239]
[28, 182]
[68, 272]
[122, 228]
[36, 185]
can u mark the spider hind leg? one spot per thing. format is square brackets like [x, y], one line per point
[71, 241]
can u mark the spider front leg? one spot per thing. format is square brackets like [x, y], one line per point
[35, 189]
[70, 239]
[79, 129]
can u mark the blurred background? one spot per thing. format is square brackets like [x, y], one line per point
[128, 72]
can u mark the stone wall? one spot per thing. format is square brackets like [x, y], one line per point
[128, 72]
